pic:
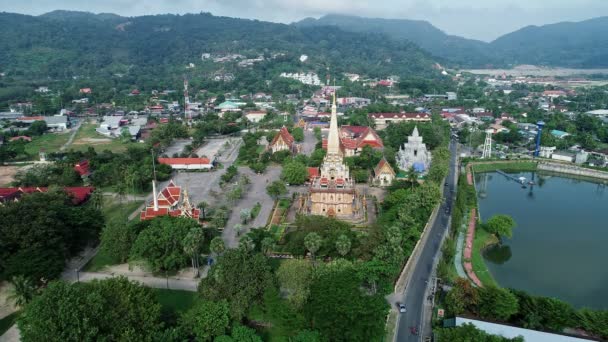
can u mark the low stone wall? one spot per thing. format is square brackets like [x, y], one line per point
[572, 170]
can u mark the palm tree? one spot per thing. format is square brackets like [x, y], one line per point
[246, 243]
[97, 199]
[313, 242]
[203, 206]
[267, 245]
[412, 176]
[238, 228]
[343, 244]
[192, 246]
[23, 290]
[217, 245]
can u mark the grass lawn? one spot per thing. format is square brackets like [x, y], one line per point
[50, 142]
[174, 300]
[506, 166]
[482, 240]
[8, 322]
[87, 136]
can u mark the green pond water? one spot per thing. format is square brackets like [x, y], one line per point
[560, 245]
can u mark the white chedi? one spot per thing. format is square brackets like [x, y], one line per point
[414, 154]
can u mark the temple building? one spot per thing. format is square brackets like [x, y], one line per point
[354, 138]
[332, 191]
[414, 154]
[283, 141]
[171, 201]
[384, 173]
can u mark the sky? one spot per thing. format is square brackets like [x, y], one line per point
[478, 19]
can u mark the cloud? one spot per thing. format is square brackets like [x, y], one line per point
[481, 19]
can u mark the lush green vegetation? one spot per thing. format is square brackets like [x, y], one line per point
[175, 301]
[522, 309]
[468, 332]
[61, 230]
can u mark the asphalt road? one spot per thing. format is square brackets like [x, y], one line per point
[415, 296]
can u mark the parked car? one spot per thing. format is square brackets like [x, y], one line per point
[401, 307]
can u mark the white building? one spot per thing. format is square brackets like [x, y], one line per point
[306, 78]
[563, 156]
[414, 154]
[255, 116]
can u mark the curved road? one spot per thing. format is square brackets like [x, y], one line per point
[415, 295]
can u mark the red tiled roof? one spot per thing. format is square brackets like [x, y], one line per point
[85, 90]
[184, 161]
[354, 137]
[164, 120]
[79, 194]
[285, 135]
[339, 181]
[381, 165]
[313, 172]
[31, 118]
[82, 168]
[20, 137]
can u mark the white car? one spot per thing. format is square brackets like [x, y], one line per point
[402, 308]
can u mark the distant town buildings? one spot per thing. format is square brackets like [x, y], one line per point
[382, 120]
[306, 78]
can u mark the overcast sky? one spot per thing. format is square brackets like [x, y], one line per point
[479, 19]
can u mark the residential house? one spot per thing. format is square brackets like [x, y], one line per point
[20, 137]
[563, 156]
[255, 116]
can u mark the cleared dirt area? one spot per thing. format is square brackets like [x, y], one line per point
[7, 174]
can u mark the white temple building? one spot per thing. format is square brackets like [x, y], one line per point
[414, 154]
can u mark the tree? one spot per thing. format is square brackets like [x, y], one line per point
[461, 297]
[61, 229]
[313, 242]
[497, 303]
[206, 320]
[161, 244]
[298, 134]
[244, 334]
[468, 332]
[294, 173]
[238, 228]
[110, 309]
[276, 189]
[203, 206]
[217, 245]
[267, 245]
[96, 199]
[307, 336]
[118, 237]
[238, 277]
[412, 176]
[247, 244]
[245, 215]
[340, 311]
[343, 244]
[295, 276]
[23, 290]
[500, 225]
[192, 244]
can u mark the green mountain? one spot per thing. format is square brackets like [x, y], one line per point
[422, 33]
[570, 44]
[64, 44]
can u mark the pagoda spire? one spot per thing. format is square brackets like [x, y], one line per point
[333, 139]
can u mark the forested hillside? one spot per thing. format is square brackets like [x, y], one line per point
[569, 44]
[65, 44]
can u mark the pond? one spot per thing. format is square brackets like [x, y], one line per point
[560, 245]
